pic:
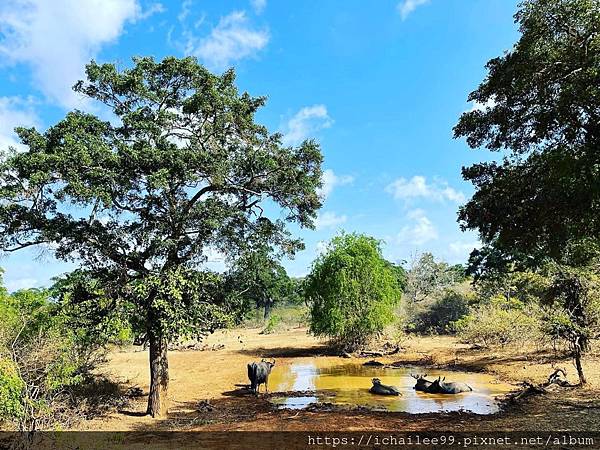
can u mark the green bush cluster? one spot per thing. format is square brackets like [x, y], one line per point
[41, 359]
[11, 391]
[439, 315]
[500, 324]
[272, 324]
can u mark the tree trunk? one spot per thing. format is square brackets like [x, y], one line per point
[159, 376]
[578, 366]
[268, 306]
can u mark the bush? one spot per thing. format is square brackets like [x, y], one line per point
[440, 316]
[41, 360]
[352, 291]
[290, 316]
[272, 323]
[11, 389]
[493, 324]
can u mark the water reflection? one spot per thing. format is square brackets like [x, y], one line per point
[348, 385]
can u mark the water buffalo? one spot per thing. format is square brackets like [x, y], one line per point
[422, 384]
[440, 386]
[258, 373]
[382, 389]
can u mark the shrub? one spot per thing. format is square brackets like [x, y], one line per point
[41, 360]
[352, 291]
[492, 324]
[11, 388]
[272, 323]
[440, 315]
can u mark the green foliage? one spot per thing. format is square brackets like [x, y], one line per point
[527, 287]
[351, 290]
[399, 273]
[572, 311]
[11, 391]
[290, 316]
[542, 201]
[544, 98]
[427, 277]
[497, 323]
[272, 324]
[258, 279]
[141, 200]
[124, 336]
[439, 317]
[41, 358]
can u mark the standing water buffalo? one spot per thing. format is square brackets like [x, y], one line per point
[258, 373]
[439, 386]
[422, 384]
[382, 389]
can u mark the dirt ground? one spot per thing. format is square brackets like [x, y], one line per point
[219, 376]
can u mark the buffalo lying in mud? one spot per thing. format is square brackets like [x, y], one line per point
[258, 373]
[440, 386]
[382, 389]
[422, 384]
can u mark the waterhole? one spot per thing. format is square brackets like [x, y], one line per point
[347, 385]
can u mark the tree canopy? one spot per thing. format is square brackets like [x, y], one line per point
[182, 169]
[539, 206]
[428, 276]
[541, 103]
[259, 279]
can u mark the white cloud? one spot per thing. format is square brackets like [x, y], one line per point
[420, 231]
[331, 180]
[417, 187]
[329, 219]
[306, 122]
[258, 5]
[57, 38]
[186, 7]
[408, 6]
[15, 111]
[21, 283]
[231, 40]
[154, 8]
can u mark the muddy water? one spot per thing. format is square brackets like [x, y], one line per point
[347, 385]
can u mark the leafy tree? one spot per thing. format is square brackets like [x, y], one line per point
[351, 290]
[260, 279]
[573, 313]
[525, 286]
[428, 276]
[139, 201]
[541, 103]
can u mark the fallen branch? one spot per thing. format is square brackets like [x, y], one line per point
[555, 379]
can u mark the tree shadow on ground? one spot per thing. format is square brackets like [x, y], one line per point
[538, 357]
[290, 352]
[194, 415]
[98, 396]
[243, 390]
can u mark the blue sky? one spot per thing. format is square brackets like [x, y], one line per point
[379, 84]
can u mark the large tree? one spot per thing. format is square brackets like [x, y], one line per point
[139, 201]
[540, 106]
